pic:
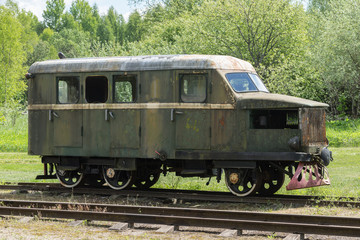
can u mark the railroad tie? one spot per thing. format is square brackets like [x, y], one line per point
[295, 237]
[120, 226]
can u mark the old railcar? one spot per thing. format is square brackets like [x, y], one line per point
[126, 120]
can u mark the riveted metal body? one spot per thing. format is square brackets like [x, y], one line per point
[78, 116]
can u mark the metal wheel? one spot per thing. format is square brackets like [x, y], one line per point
[242, 182]
[69, 178]
[148, 181]
[272, 180]
[118, 179]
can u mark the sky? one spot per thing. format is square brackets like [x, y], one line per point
[37, 6]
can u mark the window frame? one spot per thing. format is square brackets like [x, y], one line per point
[181, 77]
[134, 91]
[58, 78]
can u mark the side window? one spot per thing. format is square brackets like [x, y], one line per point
[124, 88]
[68, 89]
[96, 89]
[193, 88]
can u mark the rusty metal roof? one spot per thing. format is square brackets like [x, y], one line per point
[141, 63]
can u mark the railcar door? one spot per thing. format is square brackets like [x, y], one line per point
[66, 116]
[96, 125]
[191, 117]
[125, 117]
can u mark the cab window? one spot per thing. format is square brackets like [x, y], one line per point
[124, 88]
[96, 89]
[193, 88]
[245, 82]
[68, 90]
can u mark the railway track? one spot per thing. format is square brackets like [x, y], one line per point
[239, 220]
[189, 195]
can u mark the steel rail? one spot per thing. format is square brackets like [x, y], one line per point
[189, 195]
[206, 213]
[322, 225]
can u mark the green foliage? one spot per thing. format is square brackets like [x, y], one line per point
[134, 30]
[344, 133]
[43, 50]
[12, 57]
[337, 54]
[72, 43]
[84, 14]
[262, 32]
[53, 12]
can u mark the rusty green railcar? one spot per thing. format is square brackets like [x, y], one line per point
[126, 120]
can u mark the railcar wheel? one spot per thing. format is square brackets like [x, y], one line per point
[118, 179]
[242, 182]
[69, 178]
[272, 180]
[148, 181]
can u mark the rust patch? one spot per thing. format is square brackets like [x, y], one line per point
[313, 126]
[222, 121]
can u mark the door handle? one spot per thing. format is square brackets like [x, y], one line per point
[51, 114]
[173, 112]
[107, 114]
[111, 114]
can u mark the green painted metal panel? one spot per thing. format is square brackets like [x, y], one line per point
[40, 135]
[67, 126]
[125, 128]
[192, 129]
[96, 132]
[270, 140]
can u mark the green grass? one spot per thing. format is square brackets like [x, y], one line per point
[343, 133]
[19, 167]
[14, 138]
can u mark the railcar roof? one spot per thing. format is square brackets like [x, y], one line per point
[141, 63]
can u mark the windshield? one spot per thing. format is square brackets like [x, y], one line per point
[246, 82]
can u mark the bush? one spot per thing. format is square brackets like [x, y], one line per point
[343, 133]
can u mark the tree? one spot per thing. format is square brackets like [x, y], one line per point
[73, 43]
[12, 57]
[117, 24]
[337, 55]
[319, 5]
[68, 22]
[53, 13]
[105, 31]
[43, 50]
[259, 31]
[134, 30]
[84, 14]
